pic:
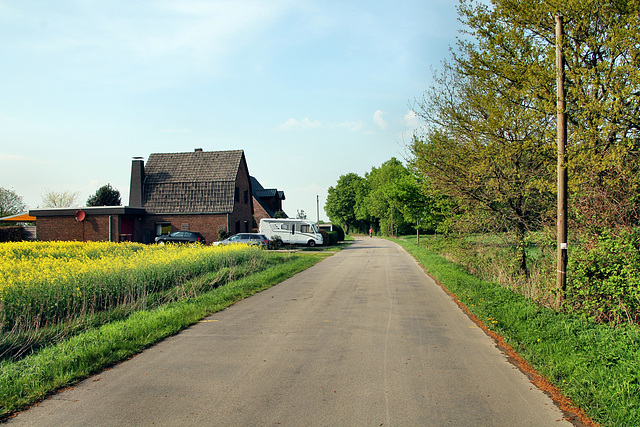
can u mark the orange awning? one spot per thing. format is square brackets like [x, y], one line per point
[23, 217]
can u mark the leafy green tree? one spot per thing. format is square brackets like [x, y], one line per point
[385, 202]
[105, 196]
[420, 208]
[490, 143]
[10, 203]
[342, 199]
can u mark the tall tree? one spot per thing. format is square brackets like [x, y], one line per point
[105, 196]
[10, 203]
[60, 199]
[341, 200]
[490, 142]
[385, 202]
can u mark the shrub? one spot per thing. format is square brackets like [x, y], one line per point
[604, 278]
[275, 242]
[223, 234]
[325, 238]
[10, 234]
[333, 237]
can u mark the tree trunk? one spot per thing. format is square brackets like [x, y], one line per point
[521, 248]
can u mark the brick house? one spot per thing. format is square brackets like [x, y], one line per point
[266, 201]
[204, 191]
[99, 223]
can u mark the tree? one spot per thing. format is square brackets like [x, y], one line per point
[301, 214]
[341, 200]
[387, 198]
[62, 199]
[10, 203]
[280, 214]
[105, 196]
[490, 143]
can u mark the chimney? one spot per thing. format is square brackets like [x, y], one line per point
[137, 180]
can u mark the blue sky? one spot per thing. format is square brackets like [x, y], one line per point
[309, 89]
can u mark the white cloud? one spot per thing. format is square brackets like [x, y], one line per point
[377, 117]
[411, 119]
[12, 159]
[352, 126]
[293, 124]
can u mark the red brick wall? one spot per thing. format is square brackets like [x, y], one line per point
[93, 228]
[242, 212]
[259, 212]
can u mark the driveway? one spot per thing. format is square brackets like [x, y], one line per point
[364, 338]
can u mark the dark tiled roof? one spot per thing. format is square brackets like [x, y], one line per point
[271, 192]
[255, 185]
[259, 191]
[194, 182]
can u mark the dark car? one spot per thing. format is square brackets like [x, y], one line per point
[247, 238]
[181, 237]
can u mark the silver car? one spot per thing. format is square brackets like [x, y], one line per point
[247, 238]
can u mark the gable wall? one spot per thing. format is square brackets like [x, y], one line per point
[259, 212]
[242, 212]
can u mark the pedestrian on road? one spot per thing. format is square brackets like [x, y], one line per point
[370, 231]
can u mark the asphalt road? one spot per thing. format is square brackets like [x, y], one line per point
[364, 338]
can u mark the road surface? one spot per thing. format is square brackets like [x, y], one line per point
[364, 338]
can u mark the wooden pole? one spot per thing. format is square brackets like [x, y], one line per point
[562, 168]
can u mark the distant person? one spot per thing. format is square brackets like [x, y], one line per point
[370, 231]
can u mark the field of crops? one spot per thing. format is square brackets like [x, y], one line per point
[44, 284]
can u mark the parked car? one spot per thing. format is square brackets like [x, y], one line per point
[248, 238]
[181, 237]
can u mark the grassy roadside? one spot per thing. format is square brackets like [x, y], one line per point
[596, 366]
[30, 379]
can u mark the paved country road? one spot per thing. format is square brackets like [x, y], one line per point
[364, 338]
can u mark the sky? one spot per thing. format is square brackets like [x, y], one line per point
[309, 89]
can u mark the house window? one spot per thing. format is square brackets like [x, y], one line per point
[237, 195]
[246, 197]
[184, 227]
[246, 226]
[237, 226]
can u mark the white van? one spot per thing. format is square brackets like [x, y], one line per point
[291, 231]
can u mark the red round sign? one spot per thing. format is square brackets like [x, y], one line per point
[80, 215]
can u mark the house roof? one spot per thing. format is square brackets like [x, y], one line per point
[88, 210]
[259, 191]
[193, 182]
[21, 217]
[271, 192]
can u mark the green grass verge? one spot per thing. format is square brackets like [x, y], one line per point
[32, 378]
[596, 366]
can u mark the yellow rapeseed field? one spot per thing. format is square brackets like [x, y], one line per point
[44, 282]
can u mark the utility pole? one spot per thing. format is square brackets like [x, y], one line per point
[562, 167]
